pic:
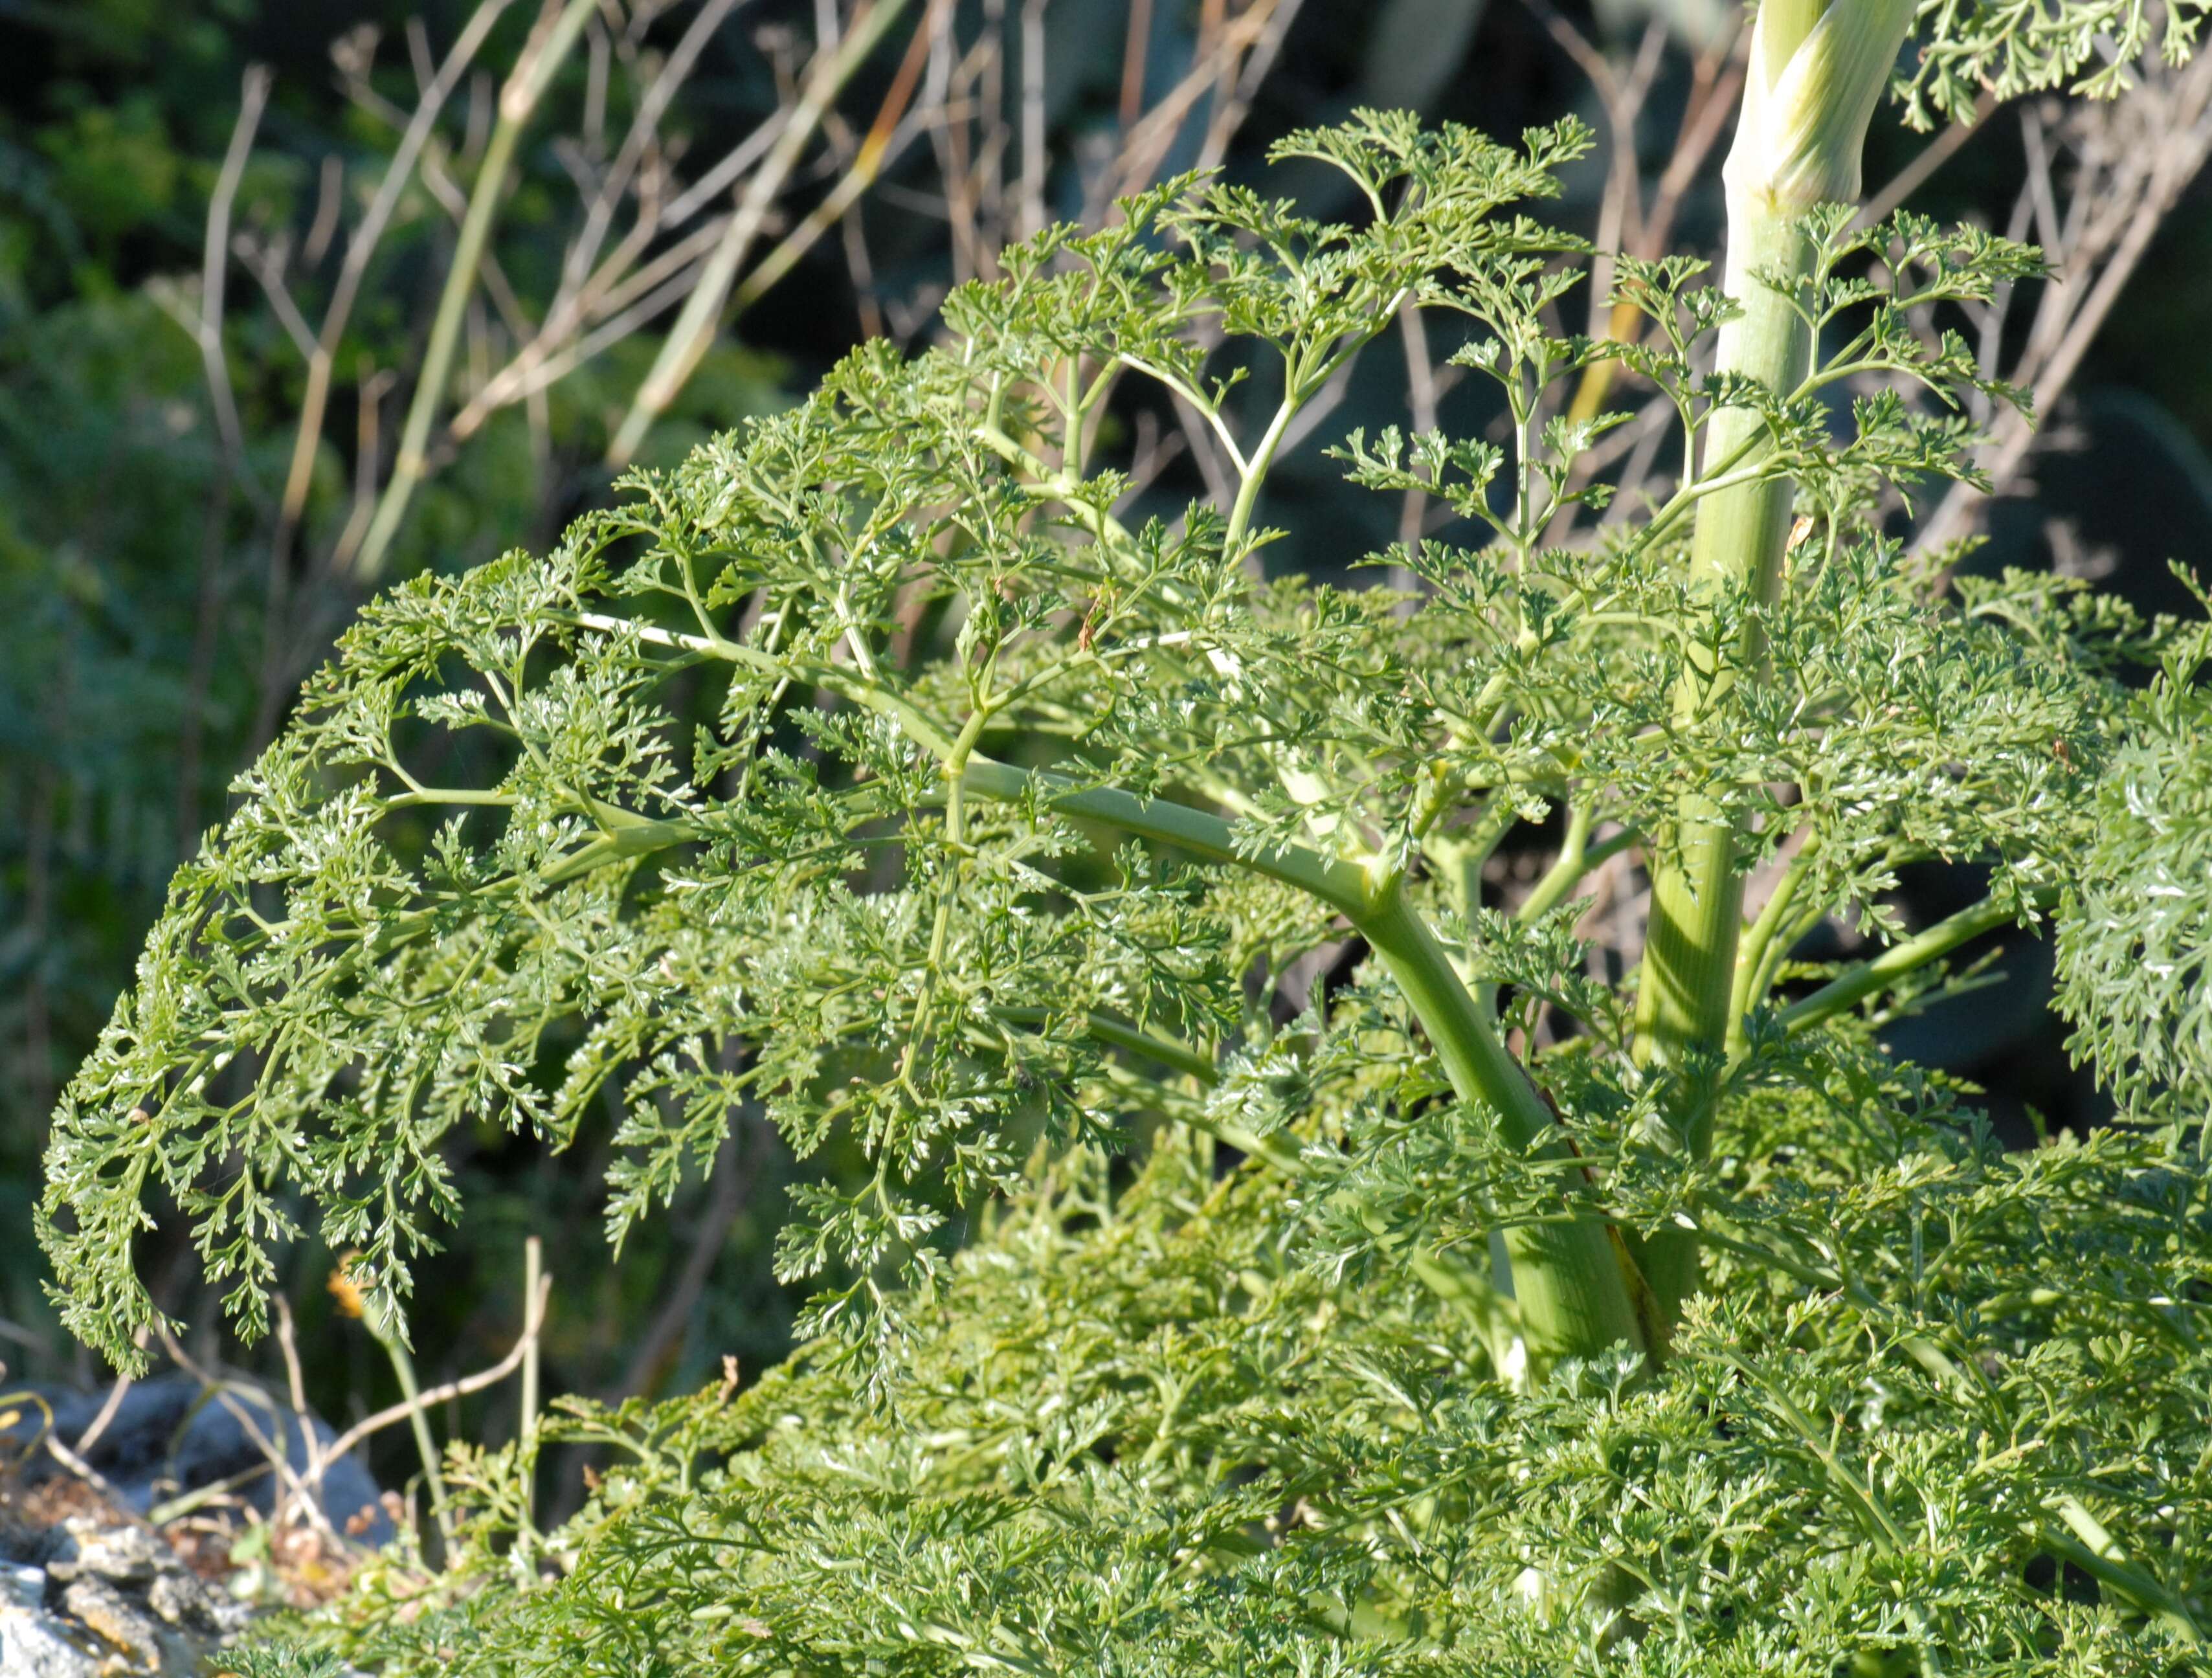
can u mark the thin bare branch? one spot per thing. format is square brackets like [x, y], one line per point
[459, 1388]
[1929, 158]
[695, 328]
[549, 44]
[215, 267]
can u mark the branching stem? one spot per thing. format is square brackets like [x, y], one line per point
[1848, 989]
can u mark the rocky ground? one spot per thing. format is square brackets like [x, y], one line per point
[90, 1588]
[96, 1593]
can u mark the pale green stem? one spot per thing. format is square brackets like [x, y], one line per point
[1255, 474]
[1577, 861]
[1342, 884]
[1567, 868]
[527, 1531]
[1120, 1034]
[1688, 977]
[1299, 387]
[403, 1367]
[1460, 856]
[1555, 886]
[1577, 1294]
[1818, 69]
[1697, 907]
[1770, 963]
[2095, 1552]
[1576, 1291]
[1937, 941]
[518, 102]
[1751, 966]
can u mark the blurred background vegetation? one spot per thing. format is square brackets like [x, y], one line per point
[237, 257]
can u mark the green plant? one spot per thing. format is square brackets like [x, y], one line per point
[1478, 1312]
[252, 375]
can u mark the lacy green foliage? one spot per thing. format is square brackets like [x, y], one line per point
[1153, 1436]
[2009, 47]
[366, 959]
[870, 767]
[277, 1662]
[2132, 948]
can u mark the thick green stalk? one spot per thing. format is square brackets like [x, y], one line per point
[1682, 1010]
[403, 1367]
[1578, 1294]
[1817, 69]
[1698, 902]
[1849, 989]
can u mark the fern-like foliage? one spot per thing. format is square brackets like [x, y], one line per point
[872, 767]
[2132, 949]
[2009, 47]
[1156, 1434]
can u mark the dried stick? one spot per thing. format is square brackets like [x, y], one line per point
[359, 249]
[90, 1437]
[215, 267]
[644, 126]
[587, 292]
[280, 1461]
[1256, 33]
[1134, 50]
[452, 1390]
[695, 326]
[1930, 157]
[526, 1434]
[2136, 161]
[1031, 220]
[308, 436]
[883, 142]
[518, 102]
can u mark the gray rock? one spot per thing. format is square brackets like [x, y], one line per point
[19, 1542]
[21, 1587]
[35, 1645]
[169, 1434]
[181, 1599]
[83, 1546]
[99, 1595]
[111, 1616]
[111, 1600]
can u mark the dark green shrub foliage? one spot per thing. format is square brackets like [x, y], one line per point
[1196, 1319]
